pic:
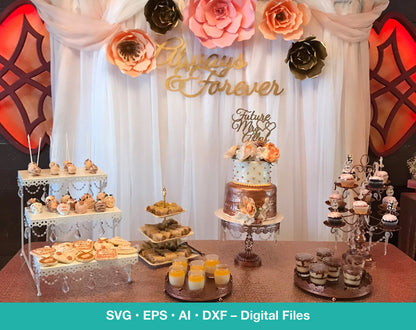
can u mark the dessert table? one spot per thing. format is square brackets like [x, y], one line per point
[394, 277]
[407, 233]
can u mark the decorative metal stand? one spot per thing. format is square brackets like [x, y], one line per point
[361, 225]
[248, 258]
[44, 224]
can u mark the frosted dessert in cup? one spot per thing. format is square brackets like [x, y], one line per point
[303, 261]
[318, 273]
[198, 264]
[177, 276]
[334, 267]
[211, 260]
[352, 275]
[323, 252]
[221, 275]
[196, 280]
[180, 261]
[355, 260]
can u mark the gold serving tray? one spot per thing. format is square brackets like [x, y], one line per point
[166, 240]
[167, 215]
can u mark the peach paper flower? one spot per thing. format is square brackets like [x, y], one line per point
[218, 23]
[247, 150]
[133, 52]
[230, 153]
[284, 17]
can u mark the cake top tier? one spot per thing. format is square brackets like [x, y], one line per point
[254, 151]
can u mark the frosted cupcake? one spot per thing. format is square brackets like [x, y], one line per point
[335, 218]
[389, 220]
[360, 207]
[376, 182]
[382, 174]
[347, 180]
[336, 197]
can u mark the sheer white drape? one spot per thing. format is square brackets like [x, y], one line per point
[144, 136]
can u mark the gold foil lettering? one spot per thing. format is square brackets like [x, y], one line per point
[172, 53]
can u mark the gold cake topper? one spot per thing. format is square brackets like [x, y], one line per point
[253, 127]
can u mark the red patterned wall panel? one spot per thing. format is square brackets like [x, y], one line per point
[392, 83]
[25, 84]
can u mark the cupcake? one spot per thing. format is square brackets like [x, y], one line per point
[303, 261]
[318, 273]
[323, 252]
[99, 206]
[335, 218]
[347, 180]
[352, 275]
[376, 182]
[360, 207]
[87, 164]
[109, 201]
[388, 199]
[63, 208]
[334, 266]
[54, 168]
[389, 220]
[337, 197]
[81, 207]
[382, 174]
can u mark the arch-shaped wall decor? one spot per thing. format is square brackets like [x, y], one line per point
[25, 82]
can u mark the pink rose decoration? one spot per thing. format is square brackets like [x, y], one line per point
[133, 52]
[286, 18]
[218, 23]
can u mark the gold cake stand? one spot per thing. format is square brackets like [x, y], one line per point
[248, 258]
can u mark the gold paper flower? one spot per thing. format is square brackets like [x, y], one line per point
[132, 52]
[306, 57]
[162, 15]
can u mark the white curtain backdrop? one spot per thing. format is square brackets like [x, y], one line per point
[146, 137]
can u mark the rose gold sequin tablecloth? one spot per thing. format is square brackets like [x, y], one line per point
[394, 277]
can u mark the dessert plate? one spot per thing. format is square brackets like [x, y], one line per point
[336, 290]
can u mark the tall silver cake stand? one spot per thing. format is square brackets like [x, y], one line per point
[248, 258]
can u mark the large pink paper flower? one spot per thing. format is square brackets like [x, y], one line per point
[218, 23]
[284, 17]
[133, 52]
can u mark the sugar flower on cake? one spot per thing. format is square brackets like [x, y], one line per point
[132, 52]
[254, 150]
[306, 58]
[162, 15]
[218, 23]
[286, 18]
[247, 150]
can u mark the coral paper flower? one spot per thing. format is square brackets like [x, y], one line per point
[133, 52]
[218, 23]
[286, 18]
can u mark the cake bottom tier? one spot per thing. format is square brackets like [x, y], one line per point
[235, 192]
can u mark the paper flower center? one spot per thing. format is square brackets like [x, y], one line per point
[129, 50]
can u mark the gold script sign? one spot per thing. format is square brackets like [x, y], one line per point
[253, 127]
[173, 54]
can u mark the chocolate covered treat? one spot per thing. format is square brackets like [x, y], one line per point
[303, 261]
[318, 273]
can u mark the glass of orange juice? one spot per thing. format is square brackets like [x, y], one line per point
[177, 275]
[197, 265]
[211, 260]
[221, 275]
[196, 280]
